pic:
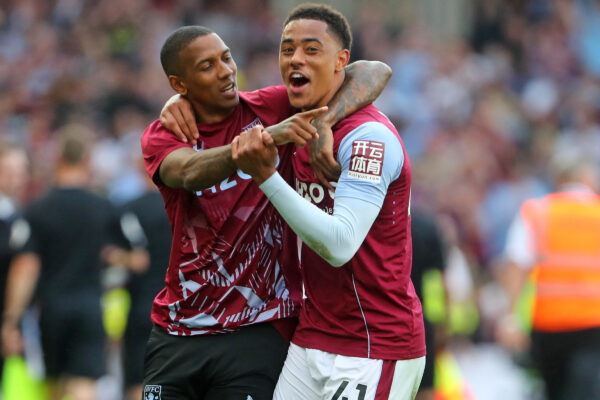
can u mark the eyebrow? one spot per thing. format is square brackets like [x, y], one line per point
[208, 59]
[289, 40]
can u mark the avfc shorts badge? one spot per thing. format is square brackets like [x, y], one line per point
[152, 392]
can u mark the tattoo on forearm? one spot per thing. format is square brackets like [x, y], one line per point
[357, 91]
[361, 87]
[213, 167]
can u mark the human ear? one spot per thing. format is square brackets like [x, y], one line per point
[178, 85]
[343, 56]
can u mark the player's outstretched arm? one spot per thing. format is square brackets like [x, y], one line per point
[186, 168]
[336, 238]
[192, 170]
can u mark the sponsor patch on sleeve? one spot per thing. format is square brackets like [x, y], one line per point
[367, 160]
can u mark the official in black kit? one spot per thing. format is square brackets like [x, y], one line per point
[60, 267]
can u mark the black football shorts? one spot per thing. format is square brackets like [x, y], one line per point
[239, 365]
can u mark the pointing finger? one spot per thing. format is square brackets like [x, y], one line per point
[310, 114]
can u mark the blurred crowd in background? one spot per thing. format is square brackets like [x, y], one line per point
[483, 96]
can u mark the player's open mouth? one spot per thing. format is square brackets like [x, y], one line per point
[297, 80]
[229, 90]
[229, 87]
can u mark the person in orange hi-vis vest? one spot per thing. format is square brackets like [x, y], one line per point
[556, 241]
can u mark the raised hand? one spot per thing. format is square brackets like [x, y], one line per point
[255, 153]
[178, 117]
[324, 165]
[297, 128]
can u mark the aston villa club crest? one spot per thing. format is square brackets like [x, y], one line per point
[152, 392]
[252, 124]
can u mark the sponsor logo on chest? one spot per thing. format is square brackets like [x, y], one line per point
[314, 192]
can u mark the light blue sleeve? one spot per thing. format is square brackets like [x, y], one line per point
[337, 237]
[371, 157]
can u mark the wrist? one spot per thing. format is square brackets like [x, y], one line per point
[264, 175]
[11, 320]
[276, 137]
[326, 120]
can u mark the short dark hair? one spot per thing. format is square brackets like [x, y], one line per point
[321, 12]
[75, 142]
[169, 53]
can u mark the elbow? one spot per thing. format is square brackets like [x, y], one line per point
[182, 177]
[193, 184]
[188, 180]
[188, 183]
[384, 69]
[338, 261]
[344, 247]
[336, 256]
[192, 181]
[342, 255]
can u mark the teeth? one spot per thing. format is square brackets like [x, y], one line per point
[297, 76]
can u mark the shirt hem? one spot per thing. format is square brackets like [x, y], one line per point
[280, 324]
[349, 351]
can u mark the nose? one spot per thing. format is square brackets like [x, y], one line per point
[297, 57]
[225, 71]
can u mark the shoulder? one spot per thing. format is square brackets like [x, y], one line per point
[371, 150]
[36, 211]
[270, 93]
[94, 200]
[270, 104]
[368, 116]
[158, 142]
[156, 131]
[530, 208]
[370, 134]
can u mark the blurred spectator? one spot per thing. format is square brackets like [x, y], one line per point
[556, 240]
[114, 156]
[146, 225]
[428, 255]
[13, 178]
[67, 229]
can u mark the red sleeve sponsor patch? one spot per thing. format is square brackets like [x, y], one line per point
[367, 160]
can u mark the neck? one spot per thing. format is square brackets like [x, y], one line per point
[206, 116]
[72, 175]
[337, 82]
